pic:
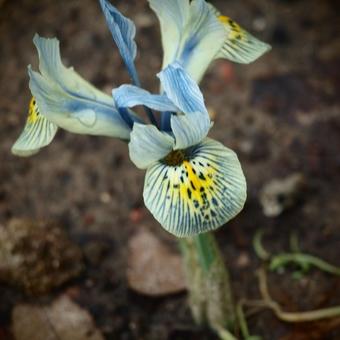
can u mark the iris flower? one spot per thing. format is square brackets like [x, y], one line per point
[193, 184]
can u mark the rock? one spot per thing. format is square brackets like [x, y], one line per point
[143, 20]
[243, 260]
[37, 256]
[62, 320]
[212, 113]
[281, 194]
[152, 268]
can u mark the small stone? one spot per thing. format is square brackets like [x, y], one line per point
[105, 197]
[281, 194]
[37, 256]
[212, 113]
[143, 20]
[243, 260]
[259, 24]
[226, 71]
[152, 268]
[136, 215]
[63, 319]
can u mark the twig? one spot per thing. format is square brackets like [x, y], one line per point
[303, 260]
[292, 317]
[262, 253]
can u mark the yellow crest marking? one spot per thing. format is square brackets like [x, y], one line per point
[192, 180]
[223, 19]
[33, 112]
[197, 184]
[236, 32]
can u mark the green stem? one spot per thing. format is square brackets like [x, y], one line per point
[206, 249]
[242, 321]
[209, 287]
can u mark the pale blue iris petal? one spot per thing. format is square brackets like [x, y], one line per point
[38, 132]
[69, 101]
[203, 39]
[123, 31]
[130, 96]
[52, 68]
[173, 16]
[199, 195]
[239, 45]
[189, 130]
[181, 89]
[191, 33]
[148, 145]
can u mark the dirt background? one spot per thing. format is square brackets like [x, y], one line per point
[280, 114]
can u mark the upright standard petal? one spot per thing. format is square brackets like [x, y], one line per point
[197, 190]
[148, 145]
[130, 96]
[182, 89]
[189, 130]
[123, 31]
[191, 33]
[173, 16]
[70, 102]
[239, 45]
[38, 132]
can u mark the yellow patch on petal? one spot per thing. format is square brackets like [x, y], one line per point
[239, 46]
[197, 185]
[38, 132]
[236, 32]
[33, 112]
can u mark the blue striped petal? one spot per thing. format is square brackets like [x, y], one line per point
[182, 89]
[198, 192]
[189, 130]
[191, 33]
[69, 101]
[148, 145]
[123, 31]
[38, 132]
[130, 96]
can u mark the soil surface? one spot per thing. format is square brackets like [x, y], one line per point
[281, 115]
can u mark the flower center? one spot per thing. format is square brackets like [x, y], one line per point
[175, 158]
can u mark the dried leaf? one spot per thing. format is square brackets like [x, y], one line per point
[152, 268]
[62, 320]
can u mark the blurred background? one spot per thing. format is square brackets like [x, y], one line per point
[75, 237]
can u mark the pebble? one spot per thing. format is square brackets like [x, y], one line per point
[152, 268]
[280, 194]
[61, 320]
